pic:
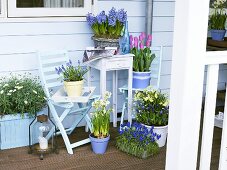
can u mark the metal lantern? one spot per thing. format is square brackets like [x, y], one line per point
[42, 132]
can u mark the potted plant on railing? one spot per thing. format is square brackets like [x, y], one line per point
[21, 97]
[141, 61]
[137, 140]
[217, 20]
[100, 125]
[107, 28]
[73, 78]
[152, 111]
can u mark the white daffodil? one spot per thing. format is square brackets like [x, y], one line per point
[11, 91]
[34, 91]
[8, 94]
[25, 102]
[2, 91]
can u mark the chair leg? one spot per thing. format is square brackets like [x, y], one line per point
[61, 128]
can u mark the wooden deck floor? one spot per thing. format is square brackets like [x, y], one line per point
[84, 159]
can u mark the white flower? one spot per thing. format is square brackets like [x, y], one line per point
[25, 102]
[14, 90]
[8, 94]
[6, 85]
[10, 91]
[34, 91]
[2, 92]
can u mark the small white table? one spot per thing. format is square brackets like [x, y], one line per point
[114, 63]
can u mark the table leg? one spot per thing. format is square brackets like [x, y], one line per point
[115, 98]
[102, 82]
[130, 95]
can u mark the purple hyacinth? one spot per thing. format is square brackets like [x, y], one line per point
[112, 17]
[101, 18]
[122, 15]
[91, 19]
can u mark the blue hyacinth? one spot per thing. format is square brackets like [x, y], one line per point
[112, 17]
[91, 19]
[101, 18]
[122, 16]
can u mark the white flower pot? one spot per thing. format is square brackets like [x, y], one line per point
[73, 88]
[160, 130]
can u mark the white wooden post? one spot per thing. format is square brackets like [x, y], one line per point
[209, 112]
[189, 47]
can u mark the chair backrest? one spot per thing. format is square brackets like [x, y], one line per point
[156, 67]
[48, 61]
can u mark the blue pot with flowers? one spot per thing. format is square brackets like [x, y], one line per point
[217, 21]
[73, 78]
[142, 60]
[137, 140]
[152, 112]
[107, 28]
[100, 125]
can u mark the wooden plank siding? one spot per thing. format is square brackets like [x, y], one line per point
[20, 40]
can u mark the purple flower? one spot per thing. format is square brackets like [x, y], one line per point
[131, 39]
[101, 18]
[140, 37]
[141, 45]
[122, 15]
[91, 19]
[63, 68]
[57, 70]
[148, 43]
[136, 42]
[143, 35]
[158, 136]
[112, 17]
[149, 37]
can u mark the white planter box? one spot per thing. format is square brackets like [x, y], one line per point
[14, 131]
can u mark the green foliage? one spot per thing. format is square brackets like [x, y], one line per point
[101, 117]
[152, 107]
[71, 73]
[218, 19]
[21, 94]
[142, 59]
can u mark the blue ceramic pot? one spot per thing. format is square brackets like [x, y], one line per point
[218, 35]
[141, 80]
[99, 145]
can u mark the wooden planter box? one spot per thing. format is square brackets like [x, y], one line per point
[14, 131]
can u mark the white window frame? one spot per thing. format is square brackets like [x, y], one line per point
[3, 8]
[14, 12]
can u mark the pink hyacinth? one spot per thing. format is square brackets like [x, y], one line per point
[143, 34]
[140, 37]
[149, 37]
[141, 45]
[131, 39]
[136, 42]
[131, 46]
[148, 43]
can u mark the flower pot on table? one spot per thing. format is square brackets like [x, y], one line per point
[73, 88]
[217, 35]
[141, 80]
[105, 42]
[99, 145]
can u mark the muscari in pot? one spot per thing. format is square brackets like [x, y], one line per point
[99, 146]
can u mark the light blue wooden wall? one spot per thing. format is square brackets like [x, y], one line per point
[20, 40]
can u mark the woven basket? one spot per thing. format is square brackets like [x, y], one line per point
[104, 42]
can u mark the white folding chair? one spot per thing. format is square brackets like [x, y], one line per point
[154, 82]
[56, 97]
